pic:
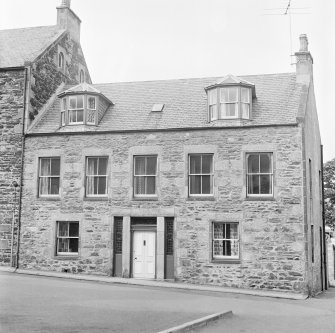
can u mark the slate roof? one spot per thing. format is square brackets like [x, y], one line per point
[185, 104]
[20, 45]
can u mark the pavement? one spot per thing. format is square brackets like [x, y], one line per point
[32, 303]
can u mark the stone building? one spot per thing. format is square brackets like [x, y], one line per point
[208, 181]
[34, 64]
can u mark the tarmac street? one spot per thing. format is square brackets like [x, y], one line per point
[31, 303]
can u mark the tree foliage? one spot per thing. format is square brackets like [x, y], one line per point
[329, 195]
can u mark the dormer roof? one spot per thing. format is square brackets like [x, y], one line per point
[84, 88]
[231, 80]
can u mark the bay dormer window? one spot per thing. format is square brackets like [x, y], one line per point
[230, 98]
[80, 104]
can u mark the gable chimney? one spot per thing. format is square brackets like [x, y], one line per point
[304, 65]
[67, 19]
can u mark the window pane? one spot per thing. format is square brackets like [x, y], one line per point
[195, 184]
[224, 95]
[151, 185]
[195, 164]
[234, 248]
[63, 118]
[218, 248]
[213, 112]
[44, 185]
[92, 166]
[218, 230]
[245, 95]
[54, 185]
[253, 184]
[80, 116]
[73, 245]
[73, 103]
[151, 165]
[206, 185]
[139, 166]
[80, 102]
[64, 104]
[265, 184]
[91, 103]
[212, 97]
[245, 110]
[227, 235]
[233, 92]
[63, 245]
[253, 163]
[72, 117]
[45, 167]
[102, 166]
[207, 163]
[265, 163]
[73, 229]
[63, 229]
[55, 167]
[233, 231]
[101, 185]
[140, 185]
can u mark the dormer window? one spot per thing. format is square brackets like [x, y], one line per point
[230, 98]
[76, 109]
[79, 105]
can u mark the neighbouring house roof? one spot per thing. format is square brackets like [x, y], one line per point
[20, 45]
[185, 104]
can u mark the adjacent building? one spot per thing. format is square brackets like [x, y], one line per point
[209, 181]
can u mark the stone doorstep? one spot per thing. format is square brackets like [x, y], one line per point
[155, 283]
[198, 322]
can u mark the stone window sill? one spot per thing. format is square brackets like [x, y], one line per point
[260, 199]
[145, 198]
[95, 199]
[49, 198]
[226, 261]
[201, 198]
[74, 257]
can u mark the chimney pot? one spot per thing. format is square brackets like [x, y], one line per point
[66, 3]
[303, 43]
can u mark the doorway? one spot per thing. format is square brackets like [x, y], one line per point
[144, 254]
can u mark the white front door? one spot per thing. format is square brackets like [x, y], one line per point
[144, 254]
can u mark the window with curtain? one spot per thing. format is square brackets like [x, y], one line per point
[67, 238]
[96, 176]
[200, 174]
[49, 176]
[259, 174]
[145, 173]
[76, 109]
[225, 240]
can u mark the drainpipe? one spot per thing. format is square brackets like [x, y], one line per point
[25, 110]
[15, 185]
[324, 225]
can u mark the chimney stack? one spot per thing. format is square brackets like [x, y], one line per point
[304, 65]
[67, 19]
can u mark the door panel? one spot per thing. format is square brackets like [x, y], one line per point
[144, 254]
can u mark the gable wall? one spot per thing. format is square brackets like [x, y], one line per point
[313, 199]
[11, 111]
[46, 76]
[272, 242]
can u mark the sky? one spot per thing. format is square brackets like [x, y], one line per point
[139, 40]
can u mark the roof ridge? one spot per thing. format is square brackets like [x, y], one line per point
[191, 78]
[26, 28]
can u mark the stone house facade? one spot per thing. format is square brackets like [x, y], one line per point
[34, 64]
[209, 181]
